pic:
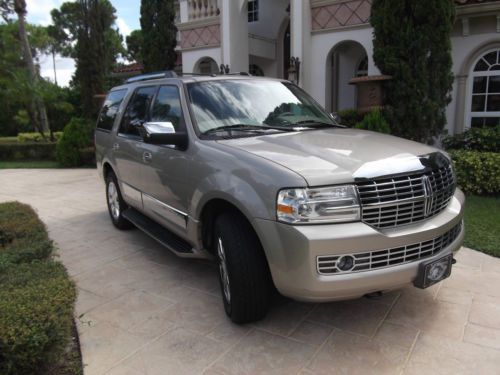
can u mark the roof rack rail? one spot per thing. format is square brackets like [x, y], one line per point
[150, 76]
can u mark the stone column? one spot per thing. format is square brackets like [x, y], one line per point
[460, 105]
[300, 29]
[234, 35]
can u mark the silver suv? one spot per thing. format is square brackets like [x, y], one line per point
[254, 173]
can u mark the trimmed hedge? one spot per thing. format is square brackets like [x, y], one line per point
[475, 139]
[37, 137]
[477, 172]
[350, 117]
[36, 294]
[27, 151]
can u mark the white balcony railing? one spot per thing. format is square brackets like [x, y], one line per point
[198, 9]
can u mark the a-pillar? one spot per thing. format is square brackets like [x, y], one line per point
[234, 34]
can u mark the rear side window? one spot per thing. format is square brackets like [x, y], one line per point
[137, 110]
[110, 109]
[167, 107]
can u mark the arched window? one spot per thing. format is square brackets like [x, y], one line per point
[255, 70]
[485, 96]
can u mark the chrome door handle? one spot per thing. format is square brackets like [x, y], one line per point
[116, 146]
[147, 157]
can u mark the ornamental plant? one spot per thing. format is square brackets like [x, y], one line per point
[412, 44]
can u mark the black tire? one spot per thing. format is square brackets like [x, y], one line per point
[116, 208]
[249, 279]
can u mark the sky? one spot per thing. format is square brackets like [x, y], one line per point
[127, 13]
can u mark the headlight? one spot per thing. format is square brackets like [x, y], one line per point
[318, 205]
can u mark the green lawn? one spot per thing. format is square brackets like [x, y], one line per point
[482, 224]
[29, 164]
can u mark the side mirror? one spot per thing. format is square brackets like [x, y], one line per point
[163, 133]
[336, 117]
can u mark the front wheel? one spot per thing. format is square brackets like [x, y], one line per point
[243, 272]
[116, 204]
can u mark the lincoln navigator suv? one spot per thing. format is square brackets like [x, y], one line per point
[254, 174]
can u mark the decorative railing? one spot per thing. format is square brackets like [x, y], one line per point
[198, 9]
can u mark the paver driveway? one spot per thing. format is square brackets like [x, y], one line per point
[142, 310]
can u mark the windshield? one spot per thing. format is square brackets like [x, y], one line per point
[252, 103]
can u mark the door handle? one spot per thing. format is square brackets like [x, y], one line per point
[147, 157]
[116, 146]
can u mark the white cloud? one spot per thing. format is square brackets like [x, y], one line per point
[39, 10]
[123, 27]
[65, 67]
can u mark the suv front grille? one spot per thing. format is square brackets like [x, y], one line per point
[327, 265]
[390, 202]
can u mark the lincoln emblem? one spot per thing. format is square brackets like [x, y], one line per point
[428, 195]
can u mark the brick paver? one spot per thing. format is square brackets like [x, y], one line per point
[142, 310]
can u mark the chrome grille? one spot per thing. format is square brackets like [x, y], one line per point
[327, 265]
[393, 201]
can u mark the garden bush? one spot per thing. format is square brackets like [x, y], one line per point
[374, 121]
[477, 172]
[16, 151]
[77, 136]
[36, 295]
[477, 139]
[37, 137]
[350, 117]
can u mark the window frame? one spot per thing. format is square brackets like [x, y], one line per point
[182, 122]
[253, 15]
[473, 74]
[148, 111]
[118, 111]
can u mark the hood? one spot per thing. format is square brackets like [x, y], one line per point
[335, 156]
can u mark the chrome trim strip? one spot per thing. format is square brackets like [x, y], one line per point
[165, 205]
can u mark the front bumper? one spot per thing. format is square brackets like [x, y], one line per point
[292, 252]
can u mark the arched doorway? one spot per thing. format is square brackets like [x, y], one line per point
[206, 65]
[484, 93]
[346, 60]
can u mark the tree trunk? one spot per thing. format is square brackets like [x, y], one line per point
[54, 65]
[20, 8]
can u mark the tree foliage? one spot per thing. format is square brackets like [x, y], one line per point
[412, 44]
[85, 30]
[134, 46]
[17, 90]
[159, 34]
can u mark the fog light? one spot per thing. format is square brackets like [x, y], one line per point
[345, 263]
[437, 270]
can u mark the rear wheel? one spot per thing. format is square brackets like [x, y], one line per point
[116, 204]
[243, 272]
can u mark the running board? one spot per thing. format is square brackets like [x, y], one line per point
[159, 233]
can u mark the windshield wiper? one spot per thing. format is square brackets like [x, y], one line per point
[245, 127]
[318, 124]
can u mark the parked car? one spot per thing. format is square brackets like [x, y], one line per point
[253, 173]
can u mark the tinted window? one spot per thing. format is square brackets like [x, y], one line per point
[167, 107]
[110, 109]
[137, 110]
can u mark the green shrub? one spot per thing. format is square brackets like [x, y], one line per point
[23, 237]
[27, 151]
[477, 139]
[477, 172]
[374, 121]
[77, 136]
[37, 137]
[36, 295]
[350, 117]
[36, 312]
